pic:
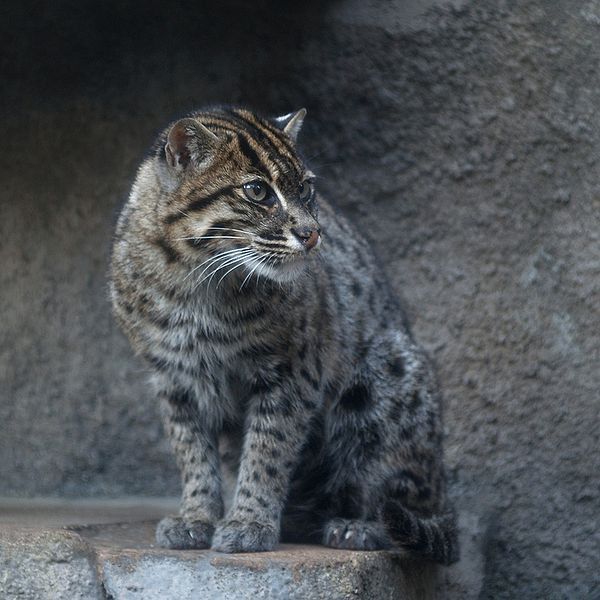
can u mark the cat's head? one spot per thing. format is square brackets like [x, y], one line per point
[238, 199]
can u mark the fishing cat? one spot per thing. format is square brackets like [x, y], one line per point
[281, 358]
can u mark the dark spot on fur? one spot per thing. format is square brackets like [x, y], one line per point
[302, 352]
[396, 366]
[356, 398]
[171, 255]
[424, 493]
[319, 364]
[180, 398]
[261, 385]
[284, 370]
[415, 402]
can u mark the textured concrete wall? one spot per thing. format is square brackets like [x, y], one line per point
[465, 142]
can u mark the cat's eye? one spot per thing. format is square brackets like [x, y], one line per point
[256, 191]
[305, 190]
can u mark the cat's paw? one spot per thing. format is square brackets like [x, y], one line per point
[241, 536]
[351, 534]
[174, 532]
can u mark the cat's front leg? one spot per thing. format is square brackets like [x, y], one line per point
[194, 441]
[276, 429]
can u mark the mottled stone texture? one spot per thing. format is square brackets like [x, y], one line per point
[465, 143]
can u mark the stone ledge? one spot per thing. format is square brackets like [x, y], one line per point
[40, 564]
[133, 568]
[120, 561]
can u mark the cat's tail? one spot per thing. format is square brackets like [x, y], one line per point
[435, 538]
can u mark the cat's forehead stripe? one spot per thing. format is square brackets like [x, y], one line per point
[275, 135]
[251, 154]
[269, 143]
[262, 144]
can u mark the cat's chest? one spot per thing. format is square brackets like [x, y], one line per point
[218, 337]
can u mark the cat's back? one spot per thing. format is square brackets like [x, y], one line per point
[355, 277]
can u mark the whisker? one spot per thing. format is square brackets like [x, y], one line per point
[260, 261]
[221, 254]
[232, 229]
[270, 257]
[221, 258]
[183, 212]
[212, 237]
[315, 155]
[274, 258]
[229, 260]
[243, 261]
[236, 262]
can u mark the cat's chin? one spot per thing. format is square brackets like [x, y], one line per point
[285, 271]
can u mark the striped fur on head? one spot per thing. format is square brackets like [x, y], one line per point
[204, 163]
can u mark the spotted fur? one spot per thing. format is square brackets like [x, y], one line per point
[285, 370]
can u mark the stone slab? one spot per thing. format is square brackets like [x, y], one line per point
[133, 568]
[51, 549]
[46, 564]
[43, 557]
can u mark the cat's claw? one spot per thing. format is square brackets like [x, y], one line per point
[349, 534]
[175, 533]
[239, 536]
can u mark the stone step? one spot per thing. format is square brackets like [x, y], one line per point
[56, 550]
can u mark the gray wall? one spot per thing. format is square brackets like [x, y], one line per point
[464, 142]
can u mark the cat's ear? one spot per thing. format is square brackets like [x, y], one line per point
[291, 123]
[188, 141]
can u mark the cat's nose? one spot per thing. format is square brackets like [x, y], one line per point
[308, 236]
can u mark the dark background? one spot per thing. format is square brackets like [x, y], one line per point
[462, 137]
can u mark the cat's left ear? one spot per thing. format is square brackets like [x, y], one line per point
[291, 123]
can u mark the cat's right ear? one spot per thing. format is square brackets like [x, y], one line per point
[189, 142]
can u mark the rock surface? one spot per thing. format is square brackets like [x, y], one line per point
[464, 141]
[120, 561]
[46, 564]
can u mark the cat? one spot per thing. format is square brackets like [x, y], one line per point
[283, 363]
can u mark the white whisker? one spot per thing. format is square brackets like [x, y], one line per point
[229, 260]
[249, 275]
[236, 230]
[217, 257]
[220, 258]
[212, 237]
[243, 261]
[260, 261]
